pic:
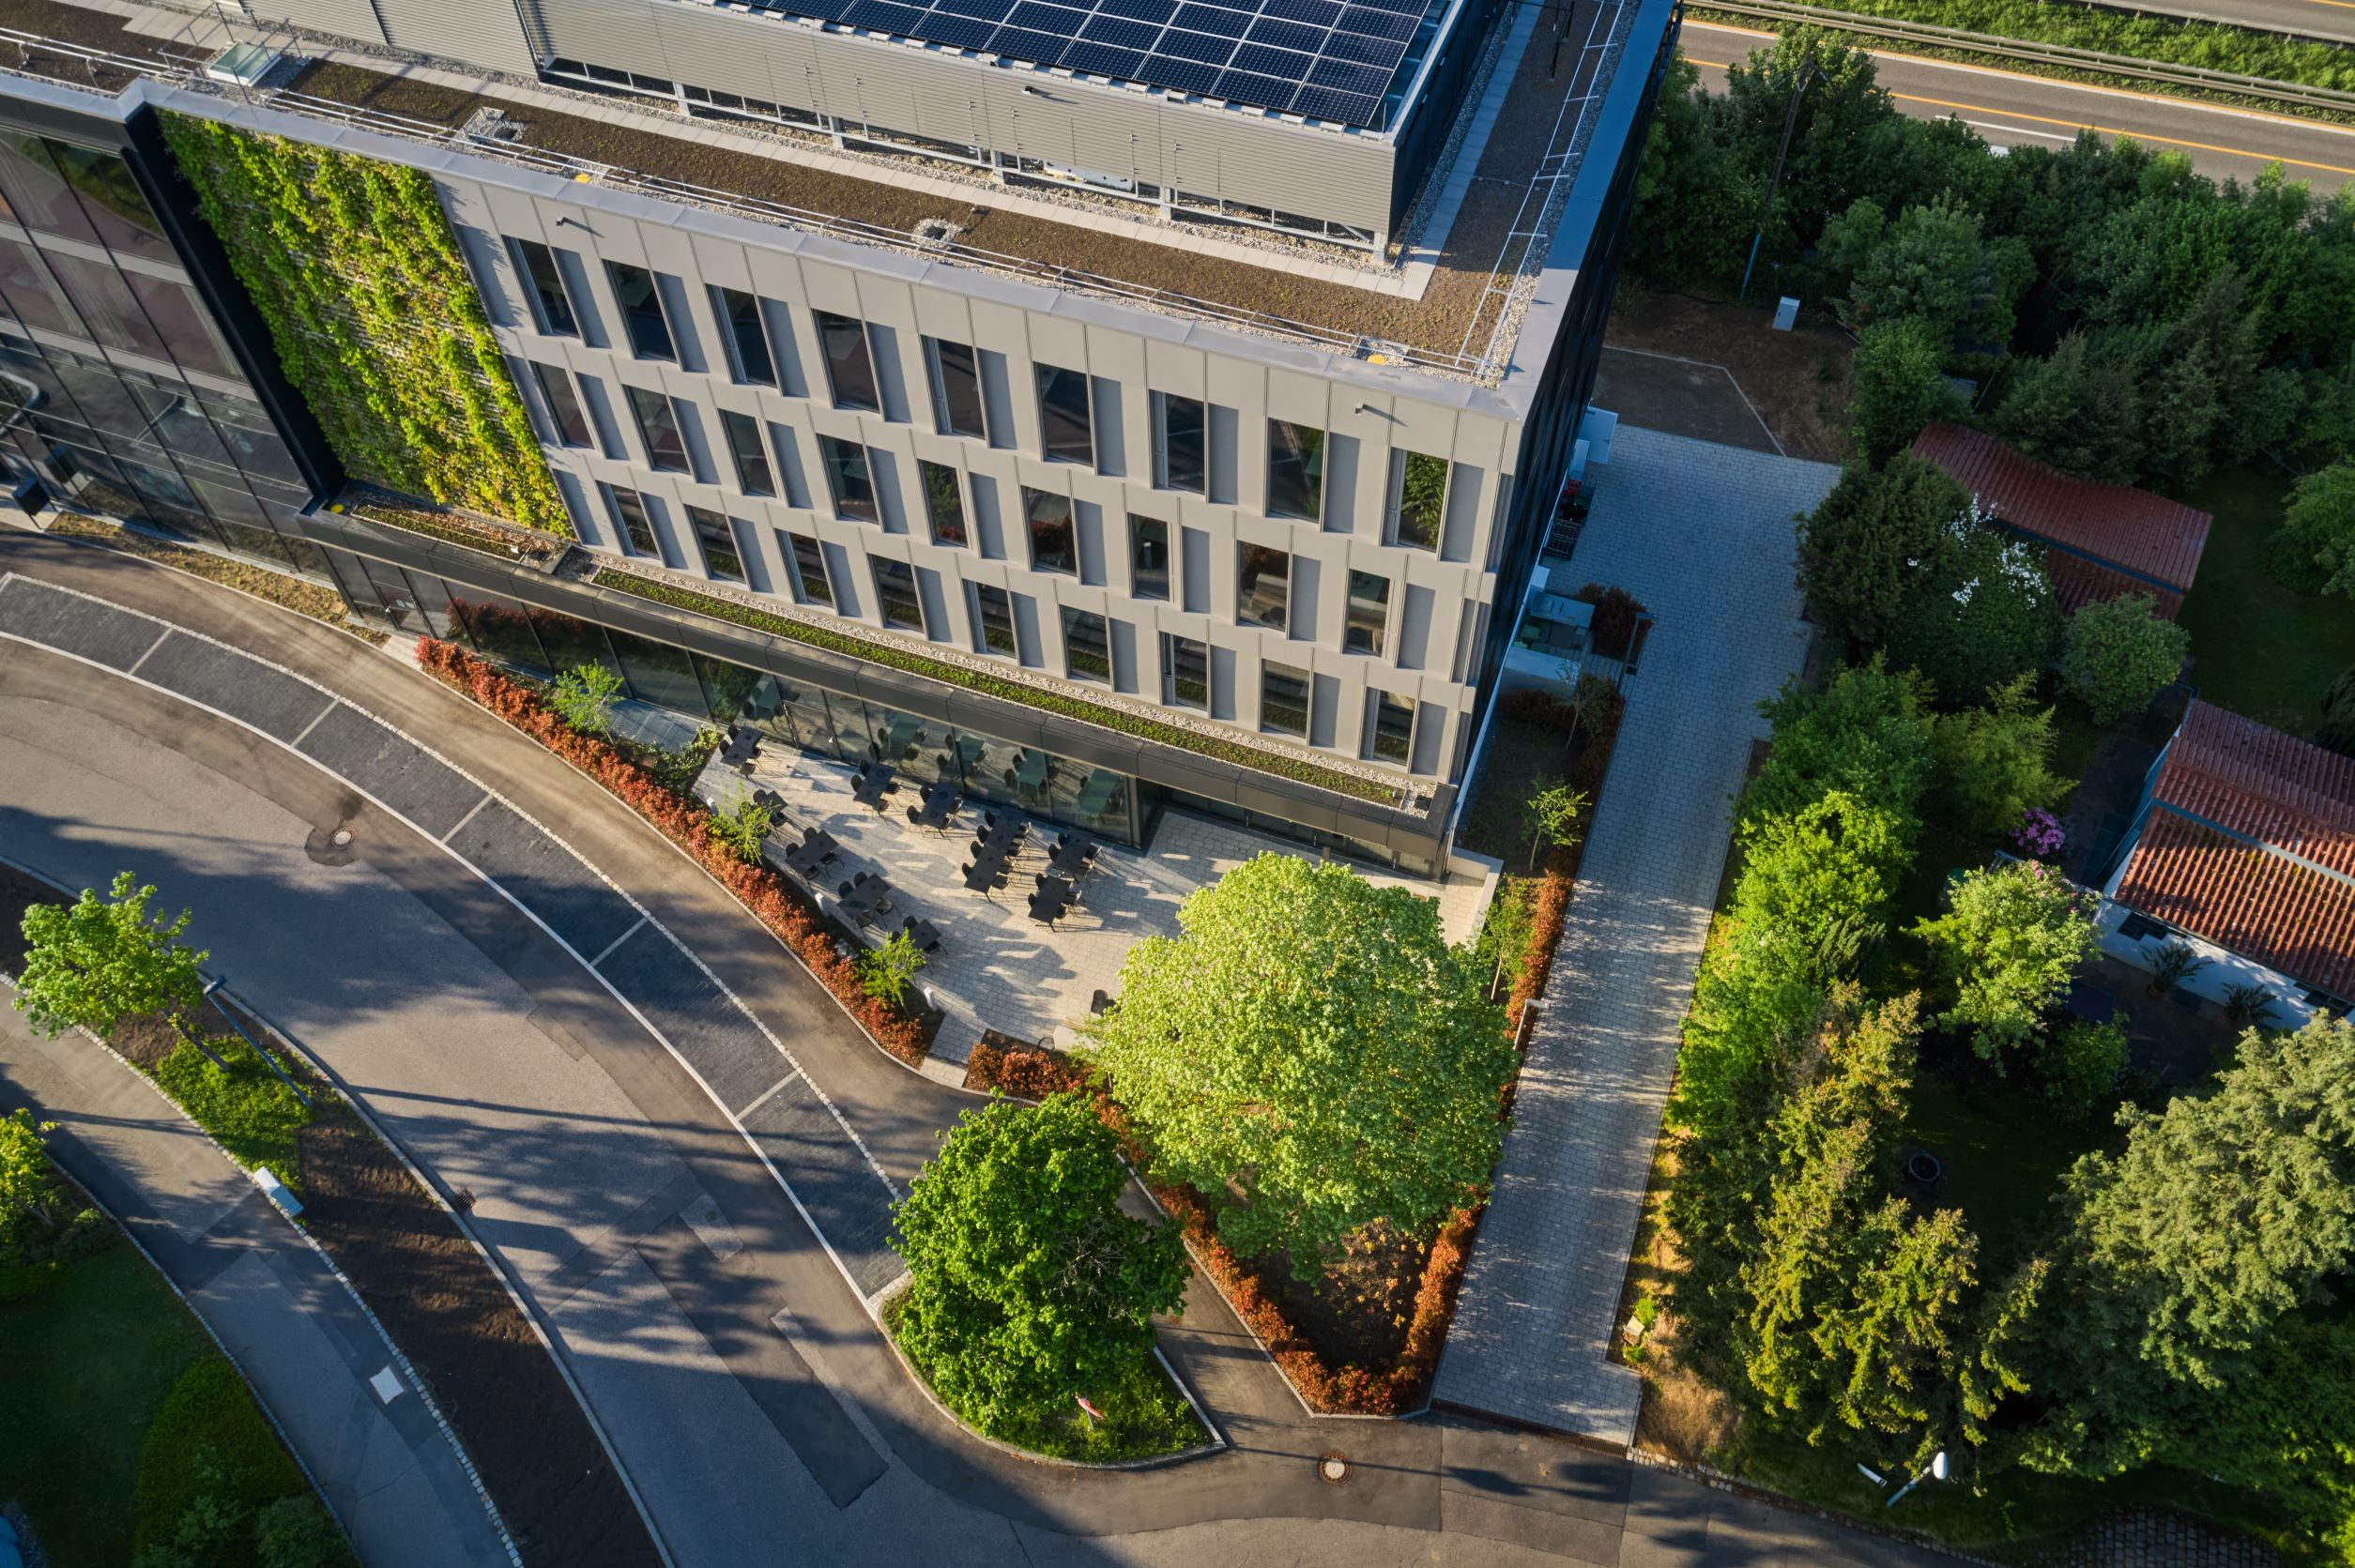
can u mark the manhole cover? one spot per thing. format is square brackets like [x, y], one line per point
[1333, 1469]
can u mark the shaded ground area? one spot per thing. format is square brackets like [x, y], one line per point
[1796, 381]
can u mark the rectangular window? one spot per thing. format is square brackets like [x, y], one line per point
[638, 530]
[1284, 700]
[896, 594]
[1394, 727]
[1369, 612]
[658, 427]
[1187, 662]
[1066, 433]
[809, 570]
[1262, 585]
[1148, 558]
[1295, 471]
[1087, 646]
[1185, 445]
[943, 502]
[565, 404]
[957, 401]
[848, 479]
[641, 310]
[551, 306]
[997, 619]
[1054, 545]
[747, 338]
[1418, 499]
[753, 474]
[849, 369]
[717, 540]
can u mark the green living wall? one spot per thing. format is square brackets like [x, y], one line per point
[355, 267]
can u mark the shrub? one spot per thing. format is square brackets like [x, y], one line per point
[2078, 1068]
[585, 694]
[772, 900]
[296, 1533]
[1981, 615]
[1616, 613]
[744, 827]
[211, 1462]
[2119, 654]
[2316, 539]
[2337, 731]
[2040, 834]
[2009, 946]
[1994, 762]
[885, 971]
[247, 1109]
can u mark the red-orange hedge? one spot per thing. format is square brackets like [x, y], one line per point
[772, 900]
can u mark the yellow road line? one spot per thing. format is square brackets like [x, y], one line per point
[2109, 129]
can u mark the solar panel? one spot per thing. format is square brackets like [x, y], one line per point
[1330, 60]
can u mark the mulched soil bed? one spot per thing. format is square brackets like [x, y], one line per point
[437, 1296]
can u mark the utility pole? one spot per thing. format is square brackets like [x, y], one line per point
[1790, 123]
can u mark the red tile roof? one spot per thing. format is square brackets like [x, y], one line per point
[2154, 542]
[2226, 781]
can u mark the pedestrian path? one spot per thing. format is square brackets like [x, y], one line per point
[814, 1152]
[389, 1469]
[1703, 533]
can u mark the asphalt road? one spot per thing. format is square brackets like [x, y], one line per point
[2332, 19]
[2012, 111]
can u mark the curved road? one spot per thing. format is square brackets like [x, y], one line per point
[2014, 110]
[738, 1373]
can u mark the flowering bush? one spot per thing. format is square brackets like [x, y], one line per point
[687, 823]
[2040, 834]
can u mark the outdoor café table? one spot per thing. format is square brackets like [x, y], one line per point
[866, 900]
[922, 932]
[983, 874]
[874, 784]
[939, 806]
[1052, 901]
[1073, 857]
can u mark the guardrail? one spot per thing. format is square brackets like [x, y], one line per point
[2227, 82]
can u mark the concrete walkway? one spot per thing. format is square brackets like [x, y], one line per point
[1703, 535]
[744, 1385]
[390, 1471]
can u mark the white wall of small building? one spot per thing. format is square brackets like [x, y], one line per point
[2221, 969]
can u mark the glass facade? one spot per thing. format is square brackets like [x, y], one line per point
[543, 642]
[118, 392]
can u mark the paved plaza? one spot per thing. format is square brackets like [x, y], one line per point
[1703, 535]
[999, 968]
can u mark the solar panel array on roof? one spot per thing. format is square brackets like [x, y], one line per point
[1330, 60]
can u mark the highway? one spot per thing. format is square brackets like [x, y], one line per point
[2329, 20]
[2011, 110]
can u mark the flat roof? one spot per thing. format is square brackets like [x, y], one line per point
[1455, 309]
[1339, 62]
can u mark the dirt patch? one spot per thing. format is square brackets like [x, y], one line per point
[1798, 381]
[1356, 1313]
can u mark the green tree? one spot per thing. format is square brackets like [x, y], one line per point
[743, 825]
[1863, 546]
[2337, 731]
[2180, 1256]
[1027, 1284]
[1983, 613]
[1934, 263]
[28, 1188]
[885, 970]
[2078, 1066]
[2079, 409]
[2117, 654]
[2282, 1425]
[1695, 203]
[1868, 733]
[1549, 818]
[1312, 1042]
[2315, 542]
[1995, 762]
[296, 1533]
[1898, 387]
[1849, 140]
[584, 696]
[2009, 945]
[98, 960]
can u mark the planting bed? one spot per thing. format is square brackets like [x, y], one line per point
[438, 1298]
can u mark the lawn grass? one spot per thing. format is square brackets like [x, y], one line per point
[2263, 650]
[248, 1111]
[2004, 1154]
[85, 1366]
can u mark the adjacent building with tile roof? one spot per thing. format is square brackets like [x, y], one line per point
[2244, 845]
[2103, 541]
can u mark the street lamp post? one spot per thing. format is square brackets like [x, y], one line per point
[1936, 1473]
[1790, 123]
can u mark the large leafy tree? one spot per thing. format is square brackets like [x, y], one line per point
[2316, 539]
[1981, 614]
[2117, 654]
[1310, 1043]
[2180, 1256]
[2009, 946]
[100, 959]
[1027, 1284]
[1867, 733]
[1931, 262]
[1863, 545]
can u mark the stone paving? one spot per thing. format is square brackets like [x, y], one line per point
[998, 967]
[1703, 535]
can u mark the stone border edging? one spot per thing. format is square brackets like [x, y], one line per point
[1218, 1443]
[417, 1384]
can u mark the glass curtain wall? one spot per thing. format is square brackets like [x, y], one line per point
[116, 391]
[541, 643]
